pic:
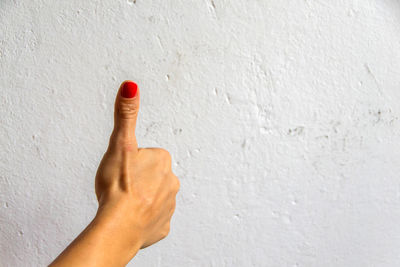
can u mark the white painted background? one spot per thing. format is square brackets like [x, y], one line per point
[282, 117]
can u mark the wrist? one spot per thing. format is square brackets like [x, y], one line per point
[104, 242]
[116, 228]
[116, 245]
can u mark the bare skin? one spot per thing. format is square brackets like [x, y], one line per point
[136, 190]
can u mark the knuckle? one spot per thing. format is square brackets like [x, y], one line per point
[166, 231]
[122, 142]
[177, 184]
[127, 110]
[165, 160]
[164, 154]
[173, 206]
[124, 145]
[148, 203]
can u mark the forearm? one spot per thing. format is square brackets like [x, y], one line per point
[103, 243]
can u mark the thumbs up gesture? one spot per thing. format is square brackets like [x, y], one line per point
[136, 191]
[135, 186]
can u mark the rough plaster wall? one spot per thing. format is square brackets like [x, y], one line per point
[282, 117]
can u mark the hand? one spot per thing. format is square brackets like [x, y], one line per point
[136, 191]
[135, 186]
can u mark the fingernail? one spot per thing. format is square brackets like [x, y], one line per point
[129, 89]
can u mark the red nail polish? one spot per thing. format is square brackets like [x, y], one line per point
[129, 89]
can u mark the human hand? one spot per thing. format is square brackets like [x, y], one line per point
[136, 191]
[135, 186]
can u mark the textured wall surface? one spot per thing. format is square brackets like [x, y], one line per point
[282, 117]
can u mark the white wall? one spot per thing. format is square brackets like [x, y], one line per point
[282, 117]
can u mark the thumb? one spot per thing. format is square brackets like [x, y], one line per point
[125, 115]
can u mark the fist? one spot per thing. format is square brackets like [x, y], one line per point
[135, 187]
